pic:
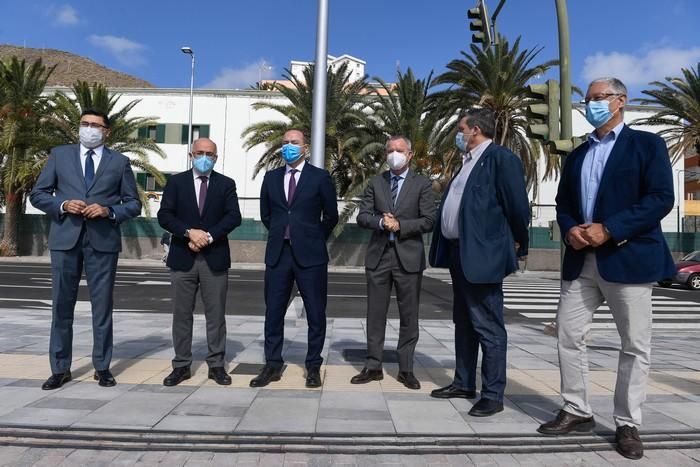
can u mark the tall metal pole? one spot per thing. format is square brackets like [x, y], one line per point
[190, 52]
[564, 70]
[679, 197]
[318, 112]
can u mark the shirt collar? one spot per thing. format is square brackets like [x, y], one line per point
[614, 133]
[299, 167]
[98, 150]
[477, 151]
[196, 174]
[401, 175]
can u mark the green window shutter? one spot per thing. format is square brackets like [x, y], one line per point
[141, 179]
[143, 132]
[204, 131]
[185, 128]
[160, 133]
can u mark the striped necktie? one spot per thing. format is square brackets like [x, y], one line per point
[394, 188]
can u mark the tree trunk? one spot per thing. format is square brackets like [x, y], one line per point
[13, 210]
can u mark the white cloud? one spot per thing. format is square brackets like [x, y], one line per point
[653, 64]
[62, 15]
[243, 77]
[127, 52]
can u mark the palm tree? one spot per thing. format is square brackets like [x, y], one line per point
[346, 120]
[680, 113]
[123, 136]
[24, 138]
[495, 78]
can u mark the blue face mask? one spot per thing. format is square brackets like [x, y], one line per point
[459, 141]
[291, 153]
[598, 113]
[203, 164]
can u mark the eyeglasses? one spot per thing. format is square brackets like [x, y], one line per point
[210, 155]
[602, 96]
[91, 125]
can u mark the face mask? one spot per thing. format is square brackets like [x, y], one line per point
[397, 160]
[203, 164]
[598, 113]
[291, 153]
[91, 137]
[459, 142]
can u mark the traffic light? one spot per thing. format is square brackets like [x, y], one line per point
[480, 23]
[544, 113]
[565, 146]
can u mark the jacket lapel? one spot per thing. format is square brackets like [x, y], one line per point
[407, 185]
[615, 158]
[386, 189]
[303, 175]
[475, 174]
[210, 190]
[77, 166]
[280, 185]
[104, 162]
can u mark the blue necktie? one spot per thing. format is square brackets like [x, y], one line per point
[89, 168]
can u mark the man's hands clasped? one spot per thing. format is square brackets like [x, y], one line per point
[390, 222]
[79, 207]
[581, 236]
[199, 239]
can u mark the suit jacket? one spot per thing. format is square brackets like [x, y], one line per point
[311, 215]
[415, 210]
[494, 214]
[113, 186]
[179, 211]
[635, 193]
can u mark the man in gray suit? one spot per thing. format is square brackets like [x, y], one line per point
[87, 191]
[399, 207]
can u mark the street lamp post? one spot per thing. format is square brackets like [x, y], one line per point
[190, 52]
[318, 112]
[679, 197]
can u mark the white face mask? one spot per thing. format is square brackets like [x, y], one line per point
[91, 137]
[397, 160]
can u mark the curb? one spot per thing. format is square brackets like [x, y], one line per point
[338, 443]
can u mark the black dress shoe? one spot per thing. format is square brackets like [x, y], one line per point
[177, 376]
[566, 423]
[452, 391]
[104, 378]
[266, 376]
[408, 379]
[628, 442]
[367, 375]
[219, 375]
[56, 380]
[313, 378]
[486, 407]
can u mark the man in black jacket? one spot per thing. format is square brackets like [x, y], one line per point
[200, 208]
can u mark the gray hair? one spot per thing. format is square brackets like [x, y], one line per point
[395, 138]
[615, 85]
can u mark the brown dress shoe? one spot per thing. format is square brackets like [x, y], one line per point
[628, 442]
[566, 423]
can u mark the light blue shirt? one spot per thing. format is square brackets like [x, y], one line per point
[402, 177]
[593, 167]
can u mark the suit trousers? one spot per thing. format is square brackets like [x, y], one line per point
[100, 272]
[478, 316]
[630, 305]
[213, 287]
[312, 283]
[380, 281]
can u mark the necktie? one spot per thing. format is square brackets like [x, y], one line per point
[394, 188]
[292, 185]
[202, 192]
[89, 168]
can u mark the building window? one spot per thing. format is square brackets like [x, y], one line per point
[198, 131]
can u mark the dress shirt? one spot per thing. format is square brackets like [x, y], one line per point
[197, 184]
[402, 178]
[287, 176]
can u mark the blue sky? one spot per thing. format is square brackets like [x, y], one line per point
[636, 40]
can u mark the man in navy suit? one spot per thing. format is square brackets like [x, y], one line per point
[299, 208]
[200, 208]
[87, 190]
[614, 190]
[484, 217]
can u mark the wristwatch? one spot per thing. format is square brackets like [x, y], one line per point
[187, 233]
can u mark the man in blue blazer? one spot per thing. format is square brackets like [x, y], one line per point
[299, 209]
[614, 190]
[482, 229]
[200, 208]
[87, 190]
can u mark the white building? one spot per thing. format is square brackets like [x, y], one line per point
[356, 67]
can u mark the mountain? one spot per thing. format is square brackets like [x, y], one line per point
[72, 67]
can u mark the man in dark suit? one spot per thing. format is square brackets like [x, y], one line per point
[87, 190]
[299, 208]
[484, 217]
[614, 190]
[399, 207]
[200, 208]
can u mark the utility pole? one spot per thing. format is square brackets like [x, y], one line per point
[318, 112]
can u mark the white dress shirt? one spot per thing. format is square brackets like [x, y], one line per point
[96, 158]
[197, 184]
[288, 175]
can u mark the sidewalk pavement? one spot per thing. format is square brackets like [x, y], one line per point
[381, 417]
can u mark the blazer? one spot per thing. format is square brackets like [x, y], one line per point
[311, 215]
[179, 211]
[494, 213]
[415, 211]
[635, 193]
[113, 186]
